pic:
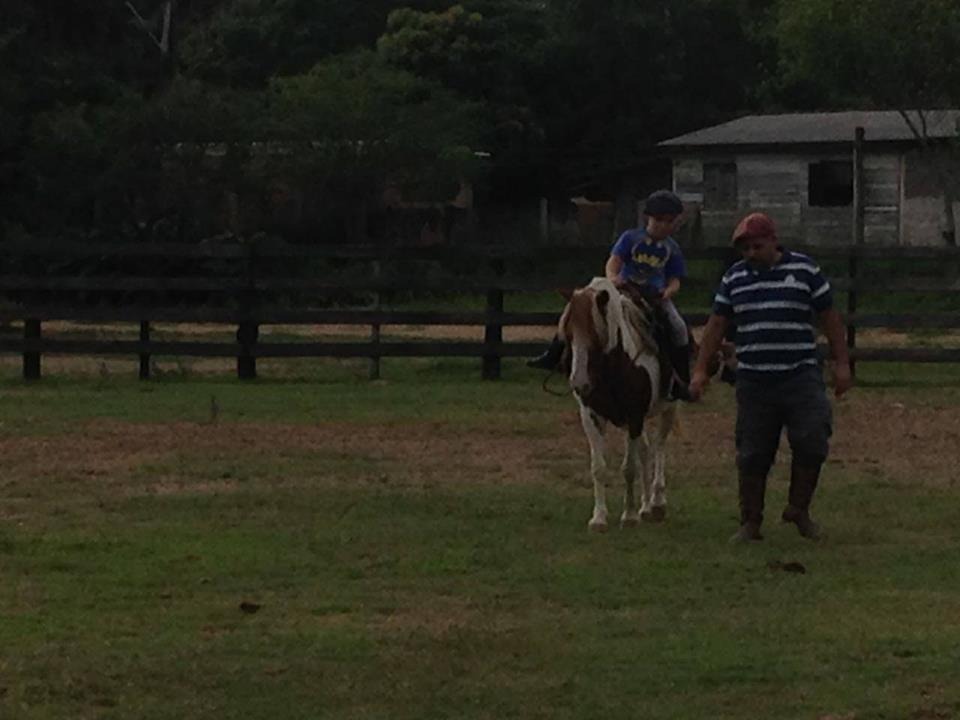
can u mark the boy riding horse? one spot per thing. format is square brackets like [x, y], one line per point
[646, 264]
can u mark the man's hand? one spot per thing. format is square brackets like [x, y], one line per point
[842, 379]
[668, 293]
[619, 281]
[698, 384]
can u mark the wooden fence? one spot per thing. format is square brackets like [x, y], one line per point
[245, 286]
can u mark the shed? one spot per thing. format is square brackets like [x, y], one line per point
[799, 169]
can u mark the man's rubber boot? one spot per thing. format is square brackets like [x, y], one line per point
[803, 483]
[752, 491]
[551, 357]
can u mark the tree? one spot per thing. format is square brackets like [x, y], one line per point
[352, 125]
[887, 54]
[243, 43]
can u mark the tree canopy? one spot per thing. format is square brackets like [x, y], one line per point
[102, 126]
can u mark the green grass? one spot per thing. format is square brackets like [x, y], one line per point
[386, 596]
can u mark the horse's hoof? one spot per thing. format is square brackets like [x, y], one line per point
[629, 521]
[655, 514]
[597, 526]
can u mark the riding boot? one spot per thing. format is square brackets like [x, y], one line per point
[803, 483]
[551, 357]
[680, 360]
[752, 491]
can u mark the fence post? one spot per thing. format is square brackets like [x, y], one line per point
[858, 240]
[31, 359]
[375, 327]
[544, 221]
[247, 330]
[493, 331]
[144, 356]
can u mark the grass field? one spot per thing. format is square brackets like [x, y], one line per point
[417, 548]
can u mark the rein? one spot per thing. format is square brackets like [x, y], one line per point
[548, 390]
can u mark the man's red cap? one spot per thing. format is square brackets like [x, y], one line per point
[754, 225]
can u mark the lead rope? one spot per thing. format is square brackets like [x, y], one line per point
[547, 390]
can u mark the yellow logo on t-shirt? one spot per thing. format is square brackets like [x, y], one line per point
[651, 260]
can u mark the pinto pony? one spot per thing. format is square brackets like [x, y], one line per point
[619, 377]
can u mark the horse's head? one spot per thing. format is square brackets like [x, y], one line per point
[586, 328]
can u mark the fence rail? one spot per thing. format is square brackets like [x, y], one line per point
[244, 287]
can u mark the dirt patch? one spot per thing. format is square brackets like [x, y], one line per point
[879, 439]
[912, 444]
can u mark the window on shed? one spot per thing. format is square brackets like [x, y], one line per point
[719, 186]
[830, 183]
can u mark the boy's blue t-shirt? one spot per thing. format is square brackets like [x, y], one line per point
[646, 262]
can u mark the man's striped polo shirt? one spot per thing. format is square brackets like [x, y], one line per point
[774, 310]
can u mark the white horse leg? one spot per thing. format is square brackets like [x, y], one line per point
[646, 474]
[593, 428]
[631, 509]
[658, 488]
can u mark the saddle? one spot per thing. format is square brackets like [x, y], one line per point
[647, 315]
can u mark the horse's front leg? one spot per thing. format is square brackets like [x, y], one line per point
[631, 508]
[658, 484]
[593, 427]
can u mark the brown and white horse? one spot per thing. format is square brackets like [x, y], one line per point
[619, 377]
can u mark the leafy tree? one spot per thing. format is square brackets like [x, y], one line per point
[246, 42]
[888, 54]
[352, 124]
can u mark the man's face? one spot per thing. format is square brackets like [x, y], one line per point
[760, 251]
[661, 226]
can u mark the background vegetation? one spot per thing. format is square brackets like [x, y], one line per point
[128, 125]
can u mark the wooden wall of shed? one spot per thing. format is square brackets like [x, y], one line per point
[923, 220]
[777, 184]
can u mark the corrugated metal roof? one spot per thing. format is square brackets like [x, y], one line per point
[818, 128]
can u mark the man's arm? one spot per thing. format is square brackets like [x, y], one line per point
[836, 334]
[713, 335]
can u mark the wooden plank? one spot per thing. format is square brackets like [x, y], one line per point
[277, 350]
[901, 285]
[70, 249]
[283, 316]
[120, 284]
[399, 349]
[575, 255]
[119, 347]
[389, 349]
[947, 321]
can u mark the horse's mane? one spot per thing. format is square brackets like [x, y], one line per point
[624, 321]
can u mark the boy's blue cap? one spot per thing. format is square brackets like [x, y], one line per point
[663, 202]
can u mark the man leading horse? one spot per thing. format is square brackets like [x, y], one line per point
[773, 296]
